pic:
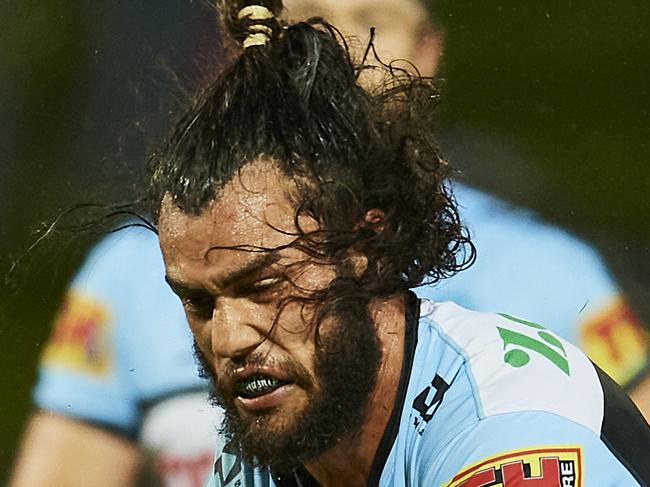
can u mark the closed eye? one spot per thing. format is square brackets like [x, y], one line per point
[199, 305]
[261, 288]
[195, 300]
[266, 283]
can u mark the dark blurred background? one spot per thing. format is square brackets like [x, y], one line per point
[549, 100]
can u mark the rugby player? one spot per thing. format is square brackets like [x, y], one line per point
[296, 211]
[102, 395]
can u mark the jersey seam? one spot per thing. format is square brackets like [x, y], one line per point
[467, 365]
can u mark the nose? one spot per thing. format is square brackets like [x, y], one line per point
[236, 328]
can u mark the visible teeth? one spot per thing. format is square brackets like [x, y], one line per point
[258, 385]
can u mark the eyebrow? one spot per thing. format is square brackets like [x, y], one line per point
[250, 268]
[181, 289]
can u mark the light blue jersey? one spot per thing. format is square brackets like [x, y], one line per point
[120, 355]
[120, 358]
[532, 269]
[121, 339]
[491, 400]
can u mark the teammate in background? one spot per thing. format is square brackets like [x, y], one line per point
[295, 213]
[107, 388]
[119, 391]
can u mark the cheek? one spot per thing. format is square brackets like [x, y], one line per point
[293, 321]
[309, 289]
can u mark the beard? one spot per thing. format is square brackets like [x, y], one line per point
[346, 363]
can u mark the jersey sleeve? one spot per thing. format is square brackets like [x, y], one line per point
[529, 268]
[612, 335]
[534, 449]
[82, 370]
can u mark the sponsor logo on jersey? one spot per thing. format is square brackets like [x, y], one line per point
[616, 341]
[538, 467]
[79, 340]
[535, 339]
[427, 402]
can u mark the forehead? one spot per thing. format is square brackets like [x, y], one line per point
[255, 209]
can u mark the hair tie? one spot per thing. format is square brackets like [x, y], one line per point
[255, 12]
[258, 34]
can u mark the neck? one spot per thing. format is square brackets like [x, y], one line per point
[349, 462]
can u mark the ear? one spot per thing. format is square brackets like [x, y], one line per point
[428, 50]
[373, 216]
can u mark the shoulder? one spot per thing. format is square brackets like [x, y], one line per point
[540, 271]
[533, 396]
[516, 365]
[124, 273]
[104, 298]
[93, 366]
[528, 267]
[493, 220]
[125, 252]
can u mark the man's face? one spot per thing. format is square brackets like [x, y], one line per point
[400, 24]
[251, 299]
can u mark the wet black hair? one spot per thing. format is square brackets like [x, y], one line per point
[296, 101]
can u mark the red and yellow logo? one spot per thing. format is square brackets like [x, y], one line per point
[616, 341]
[79, 340]
[538, 467]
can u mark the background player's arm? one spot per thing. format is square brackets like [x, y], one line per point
[63, 452]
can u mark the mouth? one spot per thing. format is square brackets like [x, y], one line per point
[258, 385]
[261, 391]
